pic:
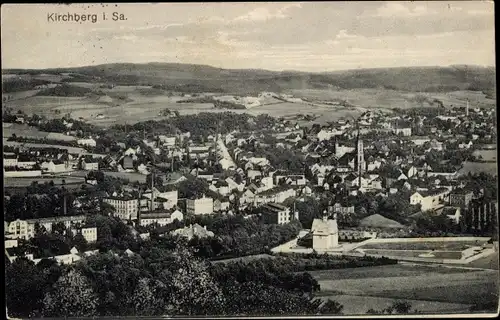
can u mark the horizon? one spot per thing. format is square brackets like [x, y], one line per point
[253, 69]
[311, 37]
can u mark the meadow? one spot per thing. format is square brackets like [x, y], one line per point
[428, 288]
[477, 167]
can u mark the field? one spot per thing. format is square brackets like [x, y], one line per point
[130, 104]
[486, 155]
[429, 288]
[74, 150]
[423, 245]
[25, 182]
[477, 167]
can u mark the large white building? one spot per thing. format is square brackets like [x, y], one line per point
[430, 200]
[25, 229]
[161, 218]
[325, 234]
[126, 207]
[203, 205]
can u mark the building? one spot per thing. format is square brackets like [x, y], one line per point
[429, 199]
[88, 233]
[25, 229]
[90, 166]
[191, 231]
[87, 142]
[203, 205]
[160, 218]
[126, 207]
[406, 132]
[338, 208]
[9, 159]
[461, 198]
[277, 214]
[325, 234]
[55, 166]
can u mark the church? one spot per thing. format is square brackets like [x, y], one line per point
[325, 233]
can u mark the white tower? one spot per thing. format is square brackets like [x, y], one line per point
[467, 109]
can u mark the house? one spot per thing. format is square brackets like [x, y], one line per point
[87, 142]
[191, 231]
[325, 134]
[277, 195]
[406, 131]
[9, 159]
[88, 233]
[325, 234]
[126, 206]
[278, 214]
[89, 164]
[339, 208]
[429, 199]
[461, 198]
[221, 205]
[55, 166]
[200, 206]
[160, 218]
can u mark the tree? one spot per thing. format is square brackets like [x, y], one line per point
[24, 290]
[331, 307]
[398, 307]
[80, 243]
[71, 296]
[194, 290]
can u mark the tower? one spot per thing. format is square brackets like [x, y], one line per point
[360, 158]
[467, 109]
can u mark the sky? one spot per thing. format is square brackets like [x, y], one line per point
[305, 36]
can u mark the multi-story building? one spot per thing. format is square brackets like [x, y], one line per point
[343, 210]
[461, 198]
[203, 205]
[88, 233]
[126, 207]
[429, 199]
[9, 159]
[161, 218]
[277, 213]
[25, 229]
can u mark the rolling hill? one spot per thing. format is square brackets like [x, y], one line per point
[197, 78]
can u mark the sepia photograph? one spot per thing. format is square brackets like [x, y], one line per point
[250, 159]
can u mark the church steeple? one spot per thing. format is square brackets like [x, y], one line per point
[360, 158]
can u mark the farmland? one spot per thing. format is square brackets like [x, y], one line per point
[130, 104]
[427, 287]
[127, 93]
[477, 167]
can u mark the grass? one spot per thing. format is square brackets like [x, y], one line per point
[425, 283]
[25, 182]
[431, 245]
[477, 167]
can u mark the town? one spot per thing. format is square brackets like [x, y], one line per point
[280, 159]
[307, 189]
